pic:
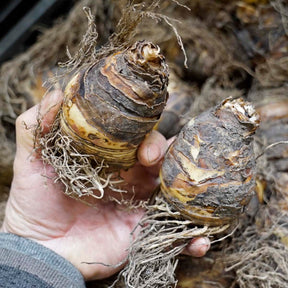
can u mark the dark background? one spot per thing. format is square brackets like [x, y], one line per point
[21, 22]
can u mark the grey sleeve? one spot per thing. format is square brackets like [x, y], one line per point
[25, 263]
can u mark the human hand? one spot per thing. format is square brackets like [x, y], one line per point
[39, 210]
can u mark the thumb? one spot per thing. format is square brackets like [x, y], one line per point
[152, 149]
[197, 247]
[27, 122]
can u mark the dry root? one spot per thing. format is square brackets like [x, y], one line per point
[259, 256]
[152, 256]
[80, 173]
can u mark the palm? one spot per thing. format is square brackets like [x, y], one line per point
[78, 232]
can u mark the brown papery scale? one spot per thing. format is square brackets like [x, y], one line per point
[207, 179]
[209, 171]
[110, 106]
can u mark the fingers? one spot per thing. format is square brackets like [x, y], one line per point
[197, 247]
[152, 149]
[27, 122]
[49, 108]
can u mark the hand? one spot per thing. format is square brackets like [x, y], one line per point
[38, 209]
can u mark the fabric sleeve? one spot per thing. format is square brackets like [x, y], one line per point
[25, 263]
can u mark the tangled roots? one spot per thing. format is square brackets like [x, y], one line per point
[80, 173]
[259, 256]
[163, 235]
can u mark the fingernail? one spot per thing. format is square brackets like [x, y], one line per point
[153, 153]
[199, 247]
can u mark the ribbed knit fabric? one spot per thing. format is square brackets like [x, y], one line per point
[25, 263]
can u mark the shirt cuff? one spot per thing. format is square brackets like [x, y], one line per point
[31, 257]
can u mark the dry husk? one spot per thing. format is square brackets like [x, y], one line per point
[263, 260]
[210, 50]
[211, 94]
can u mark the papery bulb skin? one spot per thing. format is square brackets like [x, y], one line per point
[208, 173]
[113, 104]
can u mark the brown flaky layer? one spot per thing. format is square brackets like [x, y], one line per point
[209, 171]
[110, 106]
